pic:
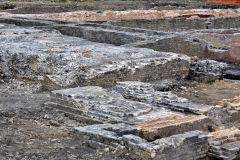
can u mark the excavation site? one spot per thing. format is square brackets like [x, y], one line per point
[120, 80]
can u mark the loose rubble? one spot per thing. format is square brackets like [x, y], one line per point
[207, 70]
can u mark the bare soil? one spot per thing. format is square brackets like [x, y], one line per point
[212, 93]
[28, 130]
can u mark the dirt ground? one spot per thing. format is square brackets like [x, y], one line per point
[212, 93]
[28, 130]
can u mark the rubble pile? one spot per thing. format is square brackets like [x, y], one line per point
[207, 70]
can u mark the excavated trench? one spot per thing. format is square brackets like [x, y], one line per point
[140, 88]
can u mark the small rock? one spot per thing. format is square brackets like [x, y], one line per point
[48, 116]
[54, 123]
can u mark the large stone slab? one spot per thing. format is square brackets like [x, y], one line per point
[169, 125]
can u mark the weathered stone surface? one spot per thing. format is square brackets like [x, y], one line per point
[188, 145]
[226, 112]
[138, 91]
[169, 125]
[146, 70]
[222, 45]
[62, 62]
[103, 106]
[132, 117]
[99, 104]
[224, 144]
[97, 64]
[207, 70]
[145, 92]
[180, 24]
[151, 121]
[134, 139]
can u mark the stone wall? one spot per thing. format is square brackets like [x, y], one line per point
[189, 145]
[178, 44]
[181, 24]
[224, 144]
[61, 62]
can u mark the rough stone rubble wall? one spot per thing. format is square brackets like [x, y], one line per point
[225, 144]
[140, 129]
[190, 145]
[121, 132]
[181, 24]
[66, 65]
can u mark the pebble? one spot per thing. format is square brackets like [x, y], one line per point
[54, 123]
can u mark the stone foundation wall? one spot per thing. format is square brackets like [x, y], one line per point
[189, 145]
[224, 144]
[181, 24]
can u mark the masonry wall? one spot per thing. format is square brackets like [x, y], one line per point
[181, 24]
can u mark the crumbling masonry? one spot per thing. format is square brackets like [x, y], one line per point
[112, 75]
